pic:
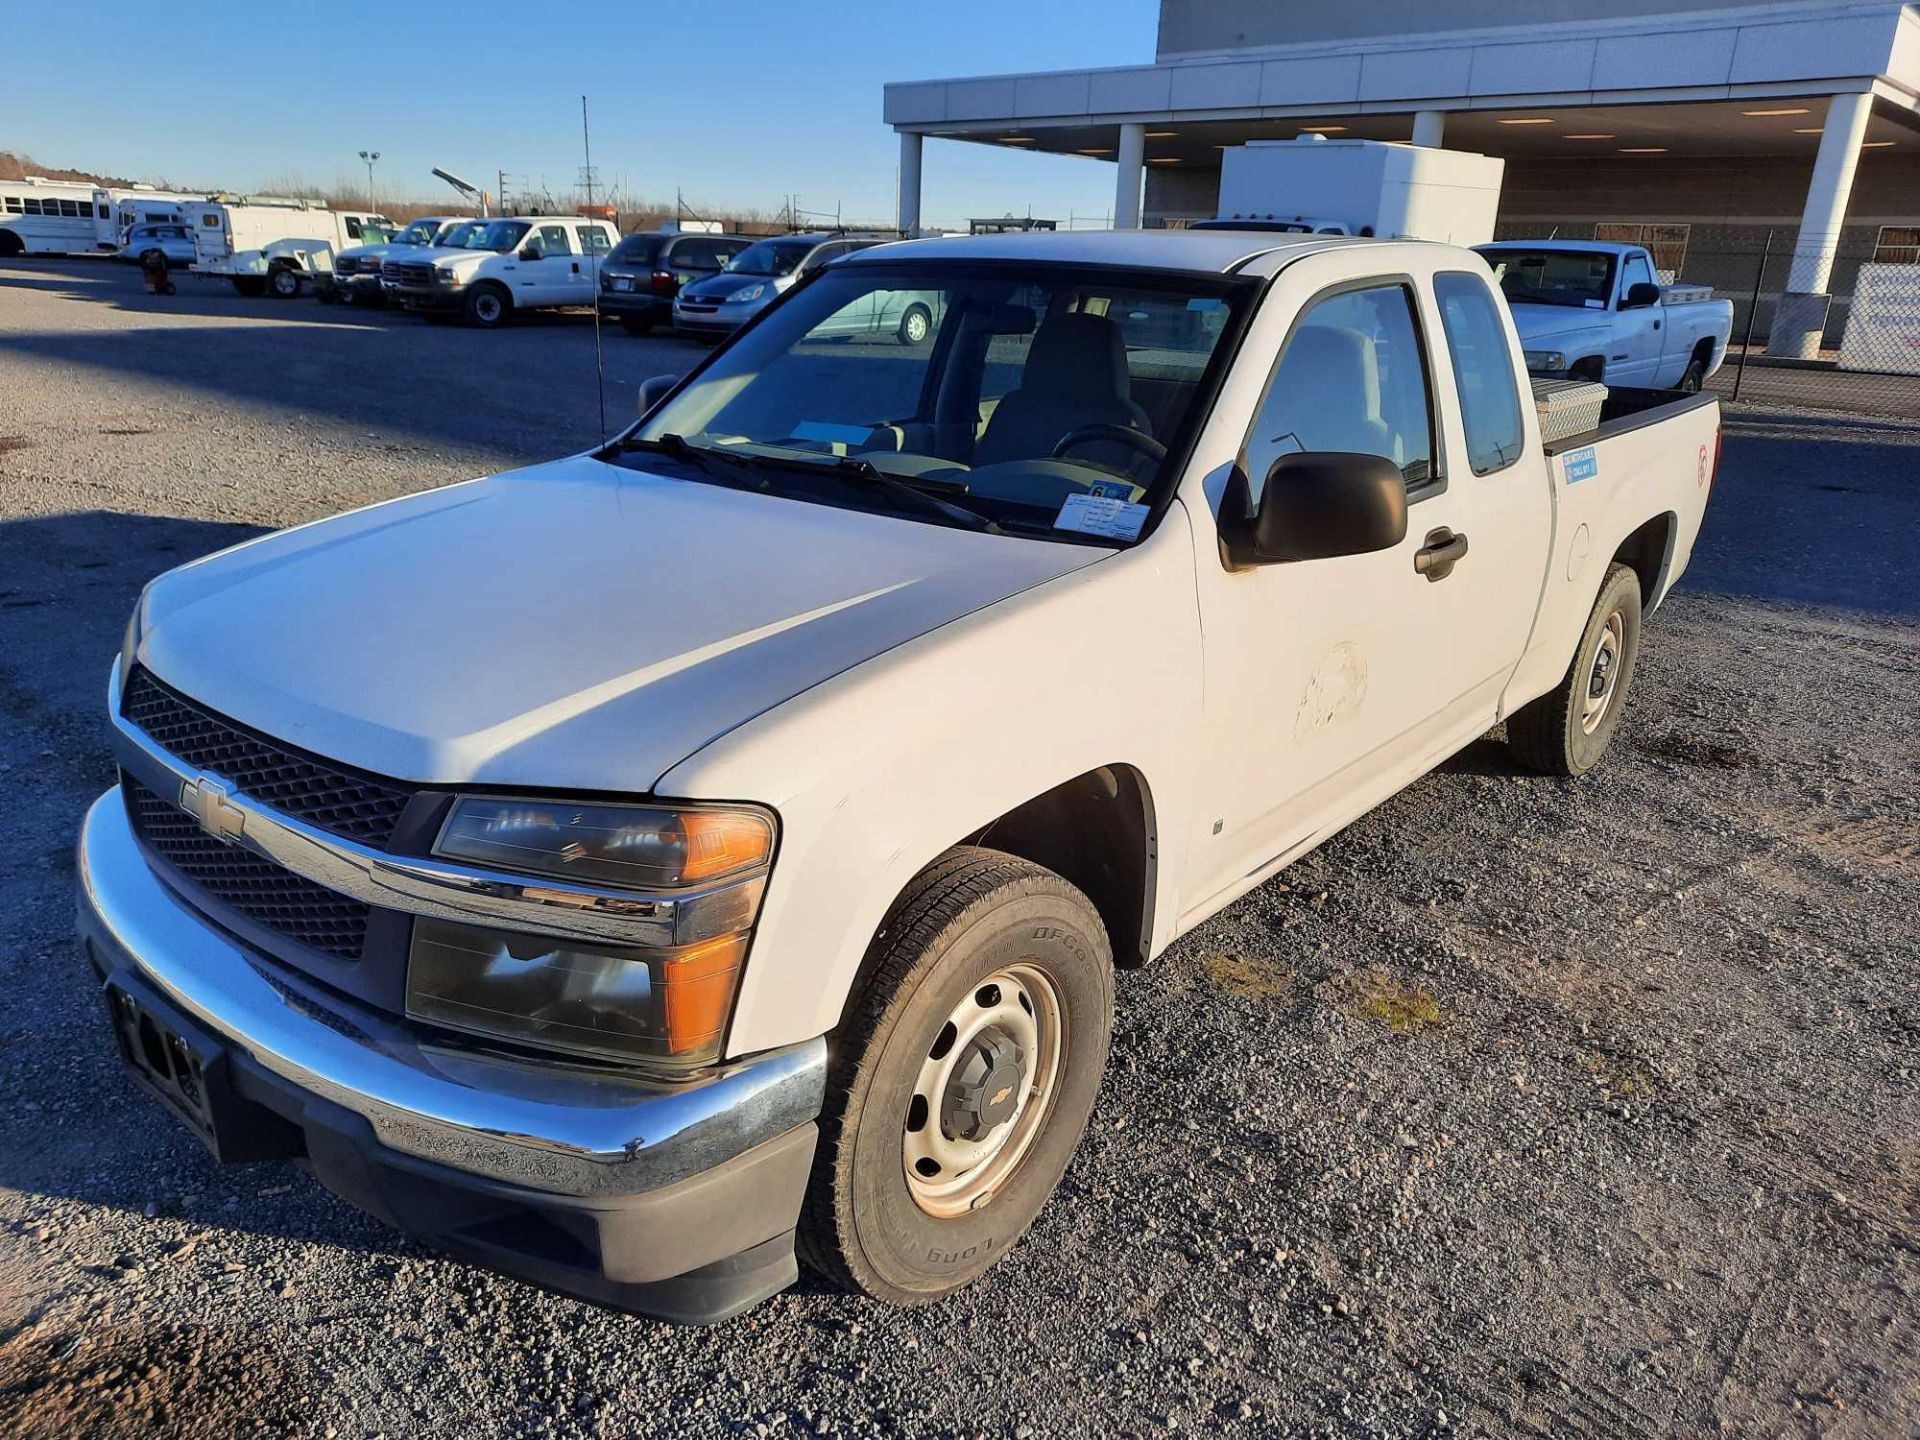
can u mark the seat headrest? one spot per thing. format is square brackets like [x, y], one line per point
[1076, 354]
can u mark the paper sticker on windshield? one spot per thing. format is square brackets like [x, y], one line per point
[1580, 465]
[828, 431]
[1102, 515]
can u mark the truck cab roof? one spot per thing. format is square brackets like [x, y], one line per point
[1217, 252]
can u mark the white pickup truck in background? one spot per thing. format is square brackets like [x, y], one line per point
[642, 871]
[1593, 310]
[515, 263]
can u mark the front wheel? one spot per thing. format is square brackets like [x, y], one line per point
[251, 286]
[1567, 730]
[487, 307]
[962, 1079]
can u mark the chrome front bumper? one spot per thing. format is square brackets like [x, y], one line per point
[552, 1127]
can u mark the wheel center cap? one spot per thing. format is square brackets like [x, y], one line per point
[985, 1087]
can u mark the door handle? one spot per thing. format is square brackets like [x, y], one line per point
[1439, 553]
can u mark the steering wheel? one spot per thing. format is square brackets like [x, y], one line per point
[1118, 434]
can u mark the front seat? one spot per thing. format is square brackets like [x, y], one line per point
[1331, 378]
[1075, 375]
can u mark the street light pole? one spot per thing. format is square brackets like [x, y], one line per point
[370, 156]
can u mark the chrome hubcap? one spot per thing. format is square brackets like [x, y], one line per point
[1604, 678]
[916, 328]
[983, 1091]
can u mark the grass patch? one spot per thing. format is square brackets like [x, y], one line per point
[1245, 976]
[1400, 1005]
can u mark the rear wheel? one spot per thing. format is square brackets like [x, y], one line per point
[916, 325]
[962, 1078]
[283, 282]
[1567, 730]
[487, 306]
[1695, 376]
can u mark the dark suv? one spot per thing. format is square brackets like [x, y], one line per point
[645, 271]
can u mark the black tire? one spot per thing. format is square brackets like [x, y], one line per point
[966, 919]
[283, 282]
[1592, 368]
[487, 307]
[916, 325]
[1695, 376]
[636, 325]
[149, 257]
[251, 286]
[11, 245]
[1552, 735]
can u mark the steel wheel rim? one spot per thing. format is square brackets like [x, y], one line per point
[1603, 677]
[487, 308]
[947, 1173]
[284, 283]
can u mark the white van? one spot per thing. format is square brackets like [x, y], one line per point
[46, 217]
[272, 244]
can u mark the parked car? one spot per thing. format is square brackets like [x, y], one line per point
[174, 243]
[755, 278]
[356, 270]
[646, 270]
[720, 848]
[529, 262]
[1593, 310]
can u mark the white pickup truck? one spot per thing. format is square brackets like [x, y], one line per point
[526, 262]
[1593, 310]
[721, 846]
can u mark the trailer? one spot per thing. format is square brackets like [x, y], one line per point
[117, 209]
[276, 244]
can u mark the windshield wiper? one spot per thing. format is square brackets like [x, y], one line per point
[923, 494]
[734, 470]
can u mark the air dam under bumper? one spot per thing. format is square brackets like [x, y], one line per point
[677, 1201]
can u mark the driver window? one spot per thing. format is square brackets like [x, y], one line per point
[1354, 378]
[1637, 272]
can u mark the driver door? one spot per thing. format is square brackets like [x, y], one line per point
[1634, 356]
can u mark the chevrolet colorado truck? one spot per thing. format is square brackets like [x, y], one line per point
[1592, 310]
[646, 871]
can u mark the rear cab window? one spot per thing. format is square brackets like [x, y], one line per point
[1482, 370]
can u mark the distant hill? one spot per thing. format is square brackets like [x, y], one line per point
[14, 166]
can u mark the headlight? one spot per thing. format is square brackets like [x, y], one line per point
[752, 292]
[1545, 359]
[667, 1004]
[447, 276]
[643, 847]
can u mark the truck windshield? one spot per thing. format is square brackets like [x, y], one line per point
[1043, 399]
[771, 257]
[1580, 278]
[500, 237]
[420, 232]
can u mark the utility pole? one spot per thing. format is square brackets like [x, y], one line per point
[372, 157]
[501, 193]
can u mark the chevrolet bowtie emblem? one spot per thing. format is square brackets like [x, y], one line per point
[211, 804]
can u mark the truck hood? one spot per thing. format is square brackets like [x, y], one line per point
[1551, 323]
[577, 625]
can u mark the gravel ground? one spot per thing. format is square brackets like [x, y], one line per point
[1524, 1107]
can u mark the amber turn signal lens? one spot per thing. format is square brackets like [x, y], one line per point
[720, 842]
[696, 986]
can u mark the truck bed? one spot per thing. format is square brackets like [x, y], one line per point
[1627, 409]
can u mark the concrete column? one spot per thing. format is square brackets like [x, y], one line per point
[1133, 166]
[1430, 128]
[907, 204]
[1801, 317]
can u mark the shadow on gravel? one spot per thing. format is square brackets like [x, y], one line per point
[1816, 512]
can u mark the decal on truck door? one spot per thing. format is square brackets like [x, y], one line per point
[1580, 465]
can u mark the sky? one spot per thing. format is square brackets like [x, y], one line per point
[767, 100]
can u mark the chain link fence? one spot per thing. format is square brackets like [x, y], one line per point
[1864, 360]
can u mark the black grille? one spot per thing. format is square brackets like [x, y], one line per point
[286, 903]
[349, 804]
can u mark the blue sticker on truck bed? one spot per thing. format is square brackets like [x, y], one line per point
[1580, 465]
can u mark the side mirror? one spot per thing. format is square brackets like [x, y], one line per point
[1316, 505]
[1640, 295]
[532, 252]
[653, 391]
